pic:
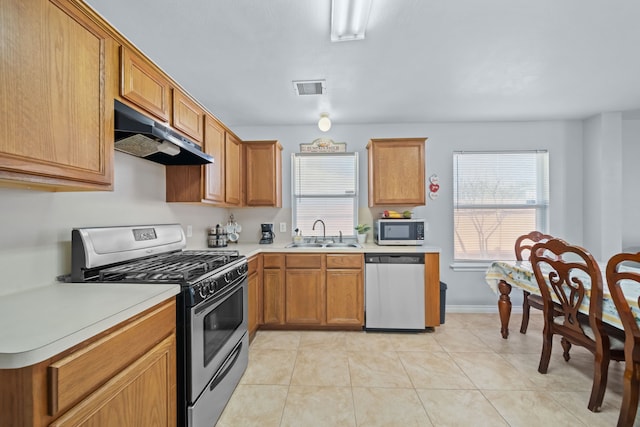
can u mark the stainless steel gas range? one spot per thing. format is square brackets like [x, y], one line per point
[212, 307]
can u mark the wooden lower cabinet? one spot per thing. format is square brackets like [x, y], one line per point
[125, 376]
[273, 289]
[304, 289]
[313, 290]
[345, 290]
[432, 289]
[140, 395]
[255, 294]
[345, 297]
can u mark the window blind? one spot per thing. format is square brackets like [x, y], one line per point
[498, 196]
[325, 186]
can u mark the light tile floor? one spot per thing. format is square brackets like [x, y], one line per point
[463, 374]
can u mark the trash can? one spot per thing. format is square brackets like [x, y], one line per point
[443, 300]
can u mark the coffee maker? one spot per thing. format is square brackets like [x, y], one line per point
[267, 233]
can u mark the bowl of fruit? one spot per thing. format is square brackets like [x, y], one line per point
[396, 214]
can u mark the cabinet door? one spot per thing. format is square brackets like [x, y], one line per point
[142, 84]
[304, 296]
[214, 172]
[263, 173]
[432, 289]
[345, 297]
[143, 394]
[56, 126]
[396, 172]
[273, 296]
[188, 117]
[252, 284]
[233, 170]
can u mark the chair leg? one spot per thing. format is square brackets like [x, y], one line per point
[600, 372]
[630, 393]
[566, 346]
[547, 343]
[525, 313]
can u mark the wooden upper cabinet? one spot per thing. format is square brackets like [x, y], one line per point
[56, 126]
[263, 173]
[214, 173]
[218, 183]
[396, 172]
[233, 170]
[188, 116]
[144, 85]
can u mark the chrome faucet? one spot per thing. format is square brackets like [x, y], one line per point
[340, 236]
[324, 237]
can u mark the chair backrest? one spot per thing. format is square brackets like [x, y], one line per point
[565, 274]
[525, 242]
[623, 280]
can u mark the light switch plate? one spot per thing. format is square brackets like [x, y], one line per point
[189, 231]
[283, 227]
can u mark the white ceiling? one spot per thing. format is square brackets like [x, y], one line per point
[421, 61]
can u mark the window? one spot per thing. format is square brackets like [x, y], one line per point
[325, 186]
[497, 196]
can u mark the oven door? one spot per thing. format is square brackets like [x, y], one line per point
[216, 327]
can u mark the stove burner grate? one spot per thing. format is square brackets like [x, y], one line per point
[170, 268]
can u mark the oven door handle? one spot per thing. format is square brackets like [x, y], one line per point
[226, 367]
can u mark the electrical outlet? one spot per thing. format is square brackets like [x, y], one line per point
[283, 227]
[189, 231]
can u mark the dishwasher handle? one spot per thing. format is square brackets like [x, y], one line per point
[394, 258]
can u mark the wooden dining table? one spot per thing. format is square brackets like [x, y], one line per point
[502, 276]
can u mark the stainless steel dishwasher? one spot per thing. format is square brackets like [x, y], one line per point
[394, 291]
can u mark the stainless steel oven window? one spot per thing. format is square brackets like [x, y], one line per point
[200, 372]
[219, 325]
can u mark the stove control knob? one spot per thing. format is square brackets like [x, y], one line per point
[227, 277]
[212, 287]
[202, 291]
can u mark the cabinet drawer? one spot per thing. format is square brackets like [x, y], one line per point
[80, 373]
[344, 261]
[304, 261]
[272, 261]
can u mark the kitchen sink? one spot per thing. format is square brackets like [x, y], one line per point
[305, 245]
[323, 245]
[343, 245]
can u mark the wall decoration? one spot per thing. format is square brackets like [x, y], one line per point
[324, 145]
[434, 186]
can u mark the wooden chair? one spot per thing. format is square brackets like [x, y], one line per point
[523, 247]
[565, 274]
[615, 275]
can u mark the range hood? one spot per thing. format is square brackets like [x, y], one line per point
[142, 136]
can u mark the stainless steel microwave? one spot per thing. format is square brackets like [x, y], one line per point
[408, 232]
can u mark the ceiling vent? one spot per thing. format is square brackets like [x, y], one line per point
[310, 87]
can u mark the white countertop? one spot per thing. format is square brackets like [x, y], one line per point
[250, 249]
[42, 322]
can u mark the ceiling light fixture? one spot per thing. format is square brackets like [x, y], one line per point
[349, 19]
[324, 124]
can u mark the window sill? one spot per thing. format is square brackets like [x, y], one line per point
[470, 266]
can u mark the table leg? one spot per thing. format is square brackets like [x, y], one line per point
[504, 307]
